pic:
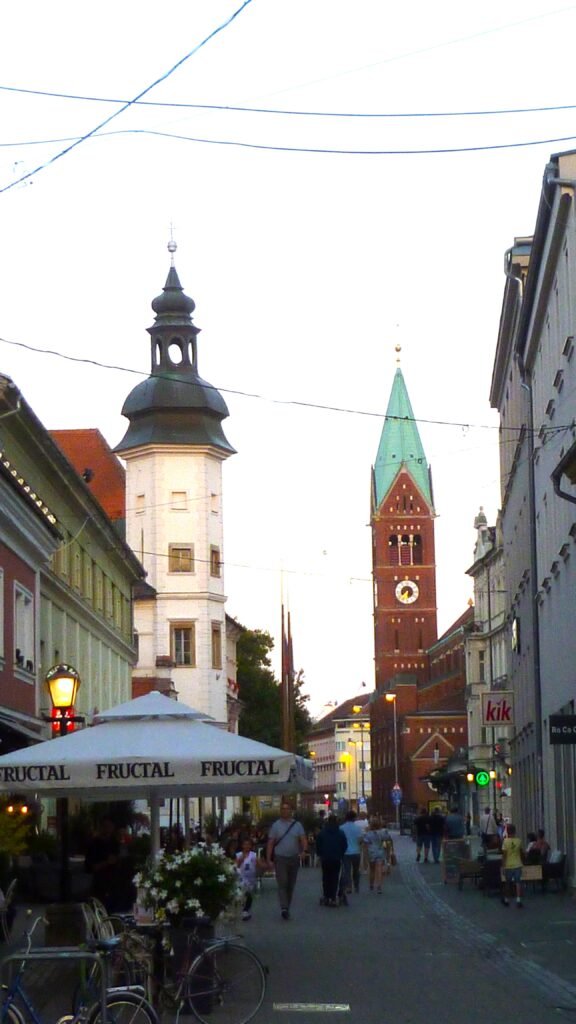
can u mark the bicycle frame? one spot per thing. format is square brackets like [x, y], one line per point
[15, 991]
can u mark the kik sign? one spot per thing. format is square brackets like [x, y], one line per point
[498, 708]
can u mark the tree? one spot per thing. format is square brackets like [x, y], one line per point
[259, 692]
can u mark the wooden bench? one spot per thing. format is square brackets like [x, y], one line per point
[469, 869]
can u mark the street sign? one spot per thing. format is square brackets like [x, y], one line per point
[562, 728]
[396, 794]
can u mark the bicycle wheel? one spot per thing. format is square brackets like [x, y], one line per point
[11, 1015]
[124, 1008]
[121, 975]
[225, 985]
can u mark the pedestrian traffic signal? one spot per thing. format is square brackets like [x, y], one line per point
[482, 778]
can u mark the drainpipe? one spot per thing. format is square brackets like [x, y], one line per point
[534, 573]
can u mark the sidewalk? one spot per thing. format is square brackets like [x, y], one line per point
[543, 932]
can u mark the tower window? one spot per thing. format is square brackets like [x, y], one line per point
[215, 564]
[417, 550]
[405, 550]
[180, 558]
[179, 501]
[216, 645]
[183, 643]
[393, 557]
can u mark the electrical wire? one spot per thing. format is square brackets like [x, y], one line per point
[230, 108]
[129, 103]
[277, 401]
[433, 151]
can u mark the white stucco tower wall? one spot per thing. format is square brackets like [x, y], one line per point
[174, 449]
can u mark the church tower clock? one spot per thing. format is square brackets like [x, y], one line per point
[403, 557]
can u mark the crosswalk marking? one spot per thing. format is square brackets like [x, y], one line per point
[312, 1007]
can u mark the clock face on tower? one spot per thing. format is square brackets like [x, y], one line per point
[407, 592]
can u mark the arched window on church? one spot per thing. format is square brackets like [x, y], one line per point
[417, 550]
[393, 549]
[396, 640]
[405, 550]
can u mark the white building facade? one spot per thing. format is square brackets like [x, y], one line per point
[174, 449]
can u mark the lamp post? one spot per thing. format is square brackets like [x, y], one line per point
[63, 682]
[391, 698]
[346, 759]
[355, 745]
[361, 727]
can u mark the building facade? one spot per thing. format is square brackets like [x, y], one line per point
[487, 644]
[174, 448]
[67, 578]
[533, 386]
[339, 745]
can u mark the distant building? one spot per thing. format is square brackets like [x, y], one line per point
[339, 745]
[417, 712]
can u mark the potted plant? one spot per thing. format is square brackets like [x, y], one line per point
[195, 884]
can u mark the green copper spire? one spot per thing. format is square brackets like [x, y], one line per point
[400, 446]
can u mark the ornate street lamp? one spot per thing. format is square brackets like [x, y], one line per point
[63, 682]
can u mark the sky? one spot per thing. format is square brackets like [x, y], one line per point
[308, 267]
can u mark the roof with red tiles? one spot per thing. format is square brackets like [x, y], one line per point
[94, 460]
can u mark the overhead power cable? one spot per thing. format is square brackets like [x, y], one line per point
[129, 103]
[282, 401]
[283, 149]
[230, 108]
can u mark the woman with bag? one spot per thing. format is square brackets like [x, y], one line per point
[374, 839]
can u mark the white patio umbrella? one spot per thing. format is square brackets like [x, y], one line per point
[152, 747]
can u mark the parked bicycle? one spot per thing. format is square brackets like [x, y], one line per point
[220, 981]
[122, 1005]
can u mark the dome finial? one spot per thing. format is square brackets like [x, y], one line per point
[398, 349]
[172, 247]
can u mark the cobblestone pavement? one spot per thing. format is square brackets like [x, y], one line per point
[421, 949]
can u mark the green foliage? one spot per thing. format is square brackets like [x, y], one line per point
[42, 844]
[14, 832]
[259, 692]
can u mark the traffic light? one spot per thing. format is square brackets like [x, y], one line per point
[482, 778]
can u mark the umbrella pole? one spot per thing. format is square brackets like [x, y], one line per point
[155, 826]
[186, 823]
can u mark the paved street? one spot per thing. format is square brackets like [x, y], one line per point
[421, 951]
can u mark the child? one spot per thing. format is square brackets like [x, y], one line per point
[512, 855]
[247, 868]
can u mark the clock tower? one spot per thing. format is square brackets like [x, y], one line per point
[403, 558]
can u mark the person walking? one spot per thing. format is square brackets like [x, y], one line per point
[512, 860]
[247, 868]
[375, 839]
[422, 826]
[489, 830]
[286, 842]
[454, 824]
[436, 833]
[331, 845]
[353, 832]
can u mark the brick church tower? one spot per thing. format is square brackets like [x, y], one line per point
[404, 568]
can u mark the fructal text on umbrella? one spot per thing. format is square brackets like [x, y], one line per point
[135, 770]
[226, 769]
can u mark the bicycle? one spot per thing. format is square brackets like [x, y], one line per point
[220, 981]
[121, 1005]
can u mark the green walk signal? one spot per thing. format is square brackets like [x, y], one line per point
[482, 778]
